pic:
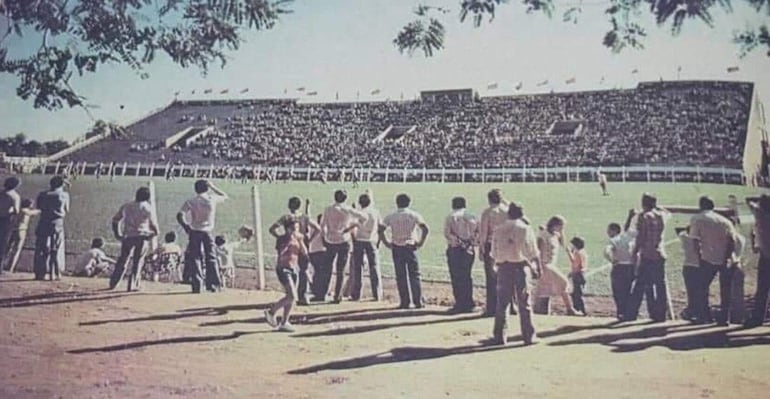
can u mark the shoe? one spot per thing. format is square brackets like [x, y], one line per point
[337, 300]
[488, 314]
[403, 306]
[317, 299]
[723, 323]
[303, 302]
[532, 340]
[752, 323]
[286, 327]
[270, 319]
[452, 311]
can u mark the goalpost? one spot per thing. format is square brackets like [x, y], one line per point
[258, 238]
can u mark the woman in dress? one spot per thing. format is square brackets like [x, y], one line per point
[553, 282]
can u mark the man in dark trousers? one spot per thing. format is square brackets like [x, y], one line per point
[10, 206]
[403, 223]
[138, 229]
[460, 231]
[650, 252]
[760, 207]
[495, 215]
[197, 217]
[54, 205]
[336, 223]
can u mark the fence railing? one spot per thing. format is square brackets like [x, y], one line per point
[637, 173]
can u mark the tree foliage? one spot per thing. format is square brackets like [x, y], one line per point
[20, 146]
[79, 36]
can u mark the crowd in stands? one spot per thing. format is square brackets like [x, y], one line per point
[687, 123]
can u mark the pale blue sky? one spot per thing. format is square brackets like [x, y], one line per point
[346, 46]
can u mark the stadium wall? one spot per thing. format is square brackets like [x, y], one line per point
[755, 133]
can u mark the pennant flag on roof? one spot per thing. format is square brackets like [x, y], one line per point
[301, 88]
[225, 91]
[207, 91]
[679, 68]
[635, 71]
[193, 92]
[601, 80]
[733, 69]
[245, 91]
[519, 86]
[375, 92]
[570, 80]
[492, 86]
[285, 91]
[337, 96]
[312, 93]
[543, 83]
[176, 93]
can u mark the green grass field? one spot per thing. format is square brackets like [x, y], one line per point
[587, 212]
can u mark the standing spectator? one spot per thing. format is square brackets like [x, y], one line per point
[578, 259]
[760, 208]
[138, 229]
[336, 224]
[651, 254]
[10, 206]
[318, 259]
[460, 231]
[603, 183]
[493, 216]
[514, 249]
[201, 213]
[553, 282]
[403, 245]
[304, 225]
[19, 235]
[619, 253]
[690, 272]
[54, 205]
[365, 243]
[715, 238]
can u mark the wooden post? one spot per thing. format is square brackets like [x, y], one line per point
[154, 215]
[567, 174]
[259, 247]
[56, 169]
[524, 174]
[405, 173]
[196, 170]
[724, 175]
[443, 174]
[125, 166]
[697, 171]
[483, 174]
[545, 174]
[424, 175]
[648, 173]
[673, 174]
[623, 172]
[463, 176]
[309, 173]
[138, 168]
[152, 170]
[211, 171]
[387, 169]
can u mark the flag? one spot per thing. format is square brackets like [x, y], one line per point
[225, 91]
[679, 68]
[301, 88]
[733, 69]
[285, 91]
[244, 90]
[375, 92]
[543, 83]
[492, 86]
[602, 80]
[358, 95]
[402, 96]
[176, 93]
[635, 71]
[518, 86]
[193, 92]
[570, 80]
[337, 96]
[312, 93]
[207, 91]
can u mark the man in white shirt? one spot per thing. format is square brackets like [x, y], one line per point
[495, 215]
[54, 206]
[197, 217]
[461, 231]
[365, 243]
[337, 221]
[715, 236]
[619, 253]
[138, 229]
[403, 245]
[514, 249]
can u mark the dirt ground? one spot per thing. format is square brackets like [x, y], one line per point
[73, 339]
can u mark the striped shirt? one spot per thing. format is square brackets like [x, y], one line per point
[367, 229]
[650, 227]
[336, 218]
[402, 224]
[461, 229]
[490, 219]
[514, 241]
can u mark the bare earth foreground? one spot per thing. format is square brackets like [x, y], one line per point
[71, 339]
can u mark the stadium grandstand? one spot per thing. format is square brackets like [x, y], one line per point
[694, 123]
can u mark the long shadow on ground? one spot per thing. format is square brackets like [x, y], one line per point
[338, 317]
[174, 316]
[166, 341]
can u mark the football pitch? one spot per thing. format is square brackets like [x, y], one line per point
[586, 210]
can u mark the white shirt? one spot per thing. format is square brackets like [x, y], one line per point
[619, 250]
[367, 230]
[514, 241]
[490, 219]
[89, 259]
[714, 232]
[226, 254]
[461, 228]
[316, 244]
[336, 218]
[403, 224]
[202, 211]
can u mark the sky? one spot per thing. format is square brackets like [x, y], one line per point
[344, 47]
